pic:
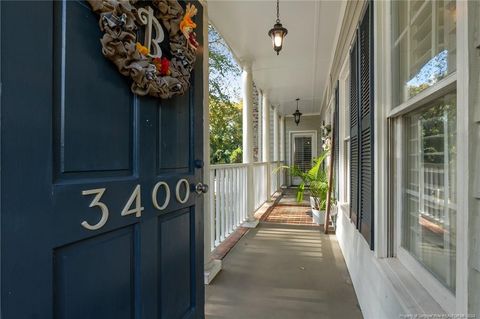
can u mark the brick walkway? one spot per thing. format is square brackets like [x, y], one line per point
[288, 214]
[289, 211]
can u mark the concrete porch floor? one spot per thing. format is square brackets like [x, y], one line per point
[283, 271]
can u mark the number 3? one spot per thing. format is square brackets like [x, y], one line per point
[96, 202]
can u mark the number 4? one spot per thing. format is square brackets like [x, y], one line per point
[137, 210]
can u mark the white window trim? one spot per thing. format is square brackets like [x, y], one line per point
[343, 138]
[382, 103]
[452, 303]
[463, 185]
[437, 90]
[444, 297]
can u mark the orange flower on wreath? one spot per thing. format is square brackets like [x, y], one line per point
[143, 50]
[187, 25]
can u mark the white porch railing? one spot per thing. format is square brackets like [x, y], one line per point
[260, 180]
[276, 180]
[227, 200]
[229, 196]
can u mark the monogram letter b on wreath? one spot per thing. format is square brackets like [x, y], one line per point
[152, 42]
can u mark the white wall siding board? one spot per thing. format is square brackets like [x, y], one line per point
[474, 123]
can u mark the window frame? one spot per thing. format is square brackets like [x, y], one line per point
[451, 302]
[444, 297]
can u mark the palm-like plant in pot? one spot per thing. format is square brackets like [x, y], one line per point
[315, 180]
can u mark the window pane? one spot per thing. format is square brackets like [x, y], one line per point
[424, 45]
[429, 194]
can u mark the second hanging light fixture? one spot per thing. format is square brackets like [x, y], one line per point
[297, 114]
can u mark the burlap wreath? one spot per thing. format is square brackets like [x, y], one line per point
[160, 77]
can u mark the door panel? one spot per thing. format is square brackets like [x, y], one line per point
[174, 136]
[88, 296]
[176, 261]
[75, 144]
[90, 138]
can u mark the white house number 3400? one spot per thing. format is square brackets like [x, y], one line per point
[134, 203]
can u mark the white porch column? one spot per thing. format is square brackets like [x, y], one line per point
[211, 266]
[247, 123]
[260, 125]
[282, 148]
[282, 138]
[265, 128]
[276, 138]
[266, 140]
[247, 126]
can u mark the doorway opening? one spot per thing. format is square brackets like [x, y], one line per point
[302, 151]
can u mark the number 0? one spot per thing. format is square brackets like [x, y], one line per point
[167, 195]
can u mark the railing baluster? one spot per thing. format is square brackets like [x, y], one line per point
[232, 190]
[240, 195]
[232, 199]
[244, 194]
[220, 203]
[240, 191]
[255, 186]
[237, 200]
[245, 179]
[212, 212]
[225, 204]
[229, 198]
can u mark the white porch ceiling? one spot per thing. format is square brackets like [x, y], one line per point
[301, 69]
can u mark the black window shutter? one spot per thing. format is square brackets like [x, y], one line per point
[354, 133]
[336, 131]
[361, 128]
[366, 126]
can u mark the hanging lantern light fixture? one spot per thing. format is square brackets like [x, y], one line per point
[278, 32]
[297, 114]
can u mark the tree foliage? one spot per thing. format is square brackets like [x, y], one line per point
[225, 130]
[225, 108]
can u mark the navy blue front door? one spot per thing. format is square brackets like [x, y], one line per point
[85, 231]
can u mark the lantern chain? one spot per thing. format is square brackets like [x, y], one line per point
[278, 11]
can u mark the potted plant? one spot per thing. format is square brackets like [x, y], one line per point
[314, 180]
[318, 200]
